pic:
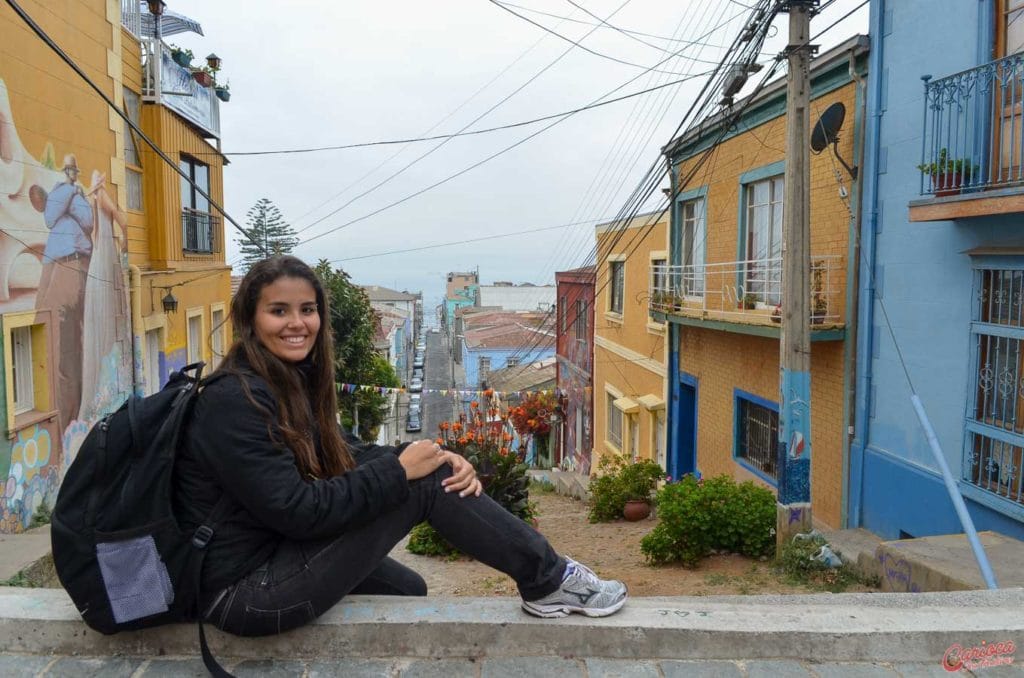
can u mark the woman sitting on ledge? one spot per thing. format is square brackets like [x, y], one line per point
[313, 512]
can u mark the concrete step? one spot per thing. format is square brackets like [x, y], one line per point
[565, 482]
[939, 563]
[810, 628]
[19, 551]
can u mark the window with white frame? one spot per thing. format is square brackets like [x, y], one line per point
[617, 283]
[132, 159]
[195, 338]
[693, 232]
[154, 342]
[216, 337]
[994, 454]
[659, 279]
[614, 424]
[763, 239]
[21, 368]
[484, 365]
[511, 362]
[757, 430]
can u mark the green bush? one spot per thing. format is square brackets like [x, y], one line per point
[621, 481]
[697, 516]
[425, 541]
[798, 567]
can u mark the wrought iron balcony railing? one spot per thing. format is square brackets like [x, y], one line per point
[974, 129]
[199, 231]
[745, 291]
[131, 16]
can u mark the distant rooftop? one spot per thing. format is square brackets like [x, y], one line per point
[378, 293]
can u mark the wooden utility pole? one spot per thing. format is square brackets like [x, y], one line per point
[793, 512]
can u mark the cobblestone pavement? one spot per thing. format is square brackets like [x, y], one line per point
[19, 666]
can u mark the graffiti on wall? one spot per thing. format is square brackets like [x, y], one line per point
[62, 254]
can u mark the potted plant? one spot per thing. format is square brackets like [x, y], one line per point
[638, 481]
[181, 56]
[749, 301]
[203, 76]
[777, 313]
[948, 174]
[819, 310]
[223, 92]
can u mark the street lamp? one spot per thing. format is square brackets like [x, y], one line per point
[156, 8]
[169, 302]
[213, 61]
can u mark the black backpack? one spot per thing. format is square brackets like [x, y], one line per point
[117, 546]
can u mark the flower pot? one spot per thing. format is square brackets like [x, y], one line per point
[223, 94]
[636, 509]
[182, 59]
[947, 183]
[203, 78]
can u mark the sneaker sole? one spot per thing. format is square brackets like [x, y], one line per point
[553, 611]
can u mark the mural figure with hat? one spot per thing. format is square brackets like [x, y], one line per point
[69, 216]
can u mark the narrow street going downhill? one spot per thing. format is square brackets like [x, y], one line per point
[435, 407]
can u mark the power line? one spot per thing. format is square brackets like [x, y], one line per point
[577, 43]
[454, 135]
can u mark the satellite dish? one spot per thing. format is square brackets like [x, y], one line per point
[826, 133]
[826, 130]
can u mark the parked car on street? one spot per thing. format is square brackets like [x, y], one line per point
[416, 386]
[418, 361]
[413, 423]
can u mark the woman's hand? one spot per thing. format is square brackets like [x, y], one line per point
[463, 479]
[421, 459]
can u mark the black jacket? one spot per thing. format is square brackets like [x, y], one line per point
[227, 451]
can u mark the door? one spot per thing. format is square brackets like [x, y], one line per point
[683, 455]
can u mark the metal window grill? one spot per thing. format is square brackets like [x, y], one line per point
[758, 443]
[994, 450]
[198, 231]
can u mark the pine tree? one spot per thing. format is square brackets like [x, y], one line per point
[267, 227]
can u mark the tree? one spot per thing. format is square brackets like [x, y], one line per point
[268, 228]
[353, 323]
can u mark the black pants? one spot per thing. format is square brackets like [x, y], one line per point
[303, 579]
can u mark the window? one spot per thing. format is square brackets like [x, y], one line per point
[484, 364]
[132, 160]
[26, 362]
[217, 337]
[580, 323]
[196, 221]
[658, 421]
[563, 310]
[994, 453]
[757, 435]
[658, 275]
[763, 240]
[634, 435]
[614, 425]
[195, 337]
[694, 238]
[511, 362]
[154, 340]
[21, 368]
[617, 280]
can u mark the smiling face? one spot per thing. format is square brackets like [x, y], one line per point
[286, 320]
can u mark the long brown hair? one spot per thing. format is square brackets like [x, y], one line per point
[302, 403]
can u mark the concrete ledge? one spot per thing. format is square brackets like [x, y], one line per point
[844, 627]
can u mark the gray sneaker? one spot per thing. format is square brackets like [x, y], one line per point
[582, 592]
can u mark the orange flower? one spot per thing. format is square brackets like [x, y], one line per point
[445, 425]
[504, 451]
[474, 404]
[462, 441]
[457, 426]
[507, 437]
[489, 392]
[439, 441]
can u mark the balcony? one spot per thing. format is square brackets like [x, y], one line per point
[746, 296]
[199, 232]
[165, 82]
[972, 153]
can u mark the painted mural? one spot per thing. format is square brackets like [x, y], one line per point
[62, 253]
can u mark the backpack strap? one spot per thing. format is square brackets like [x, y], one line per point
[200, 540]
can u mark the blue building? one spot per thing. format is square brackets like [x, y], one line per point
[942, 264]
[498, 339]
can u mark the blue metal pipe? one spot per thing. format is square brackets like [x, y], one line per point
[954, 495]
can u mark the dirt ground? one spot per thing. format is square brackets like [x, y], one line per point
[612, 550]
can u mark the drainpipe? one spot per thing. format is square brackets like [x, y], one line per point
[135, 302]
[866, 291]
[852, 287]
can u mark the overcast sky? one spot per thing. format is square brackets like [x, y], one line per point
[309, 74]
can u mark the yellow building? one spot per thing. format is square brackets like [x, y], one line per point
[721, 291]
[112, 270]
[629, 347]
